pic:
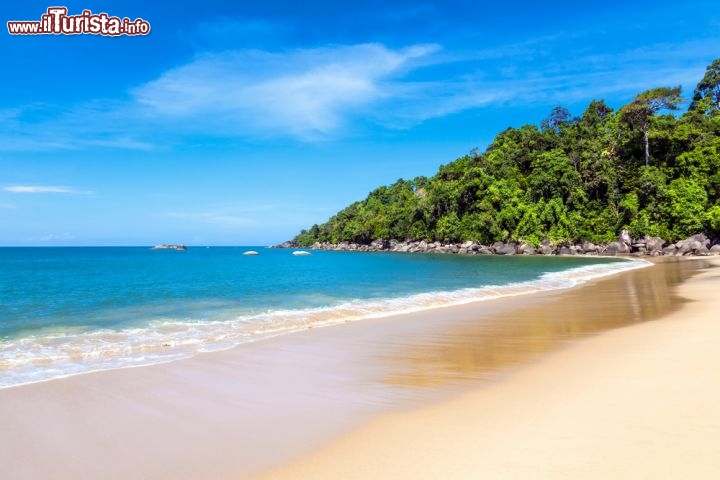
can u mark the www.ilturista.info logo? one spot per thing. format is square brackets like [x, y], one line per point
[56, 21]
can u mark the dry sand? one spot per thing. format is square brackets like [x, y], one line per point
[637, 402]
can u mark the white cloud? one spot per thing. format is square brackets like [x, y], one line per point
[43, 189]
[302, 93]
[55, 237]
[40, 189]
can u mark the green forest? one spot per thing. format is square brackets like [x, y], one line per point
[651, 167]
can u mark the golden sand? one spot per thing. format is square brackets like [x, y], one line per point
[641, 401]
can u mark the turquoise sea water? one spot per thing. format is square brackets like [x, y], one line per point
[65, 311]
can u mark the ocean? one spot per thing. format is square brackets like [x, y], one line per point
[67, 311]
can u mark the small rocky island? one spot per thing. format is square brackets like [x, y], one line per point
[164, 246]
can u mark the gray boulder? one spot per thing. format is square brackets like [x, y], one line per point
[617, 248]
[546, 249]
[654, 244]
[379, 244]
[715, 249]
[526, 249]
[638, 246]
[401, 247]
[692, 243]
[684, 250]
[589, 247]
[505, 248]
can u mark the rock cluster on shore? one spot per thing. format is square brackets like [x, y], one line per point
[624, 245]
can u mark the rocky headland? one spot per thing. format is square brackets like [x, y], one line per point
[625, 245]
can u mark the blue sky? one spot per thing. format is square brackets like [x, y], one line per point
[238, 123]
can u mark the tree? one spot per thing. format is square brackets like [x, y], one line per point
[595, 113]
[707, 93]
[638, 112]
[558, 116]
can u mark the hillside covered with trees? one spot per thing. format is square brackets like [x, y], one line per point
[644, 168]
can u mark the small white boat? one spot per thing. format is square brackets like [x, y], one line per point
[250, 252]
[301, 252]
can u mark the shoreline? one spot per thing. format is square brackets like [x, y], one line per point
[236, 413]
[633, 402]
[343, 313]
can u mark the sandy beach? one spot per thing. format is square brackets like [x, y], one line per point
[641, 401]
[574, 383]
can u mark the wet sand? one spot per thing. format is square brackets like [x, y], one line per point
[642, 401]
[237, 413]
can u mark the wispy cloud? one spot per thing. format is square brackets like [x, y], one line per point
[44, 189]
[304, 93]
[323, 93]
[56, 237]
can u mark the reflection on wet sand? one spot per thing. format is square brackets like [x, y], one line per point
[482, 348]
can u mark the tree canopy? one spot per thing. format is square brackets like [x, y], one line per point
[640, 111]
[571, 179]
[707, 93]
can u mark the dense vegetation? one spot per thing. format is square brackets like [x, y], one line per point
[640, 168]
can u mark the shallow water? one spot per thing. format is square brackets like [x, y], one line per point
[65, 311]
